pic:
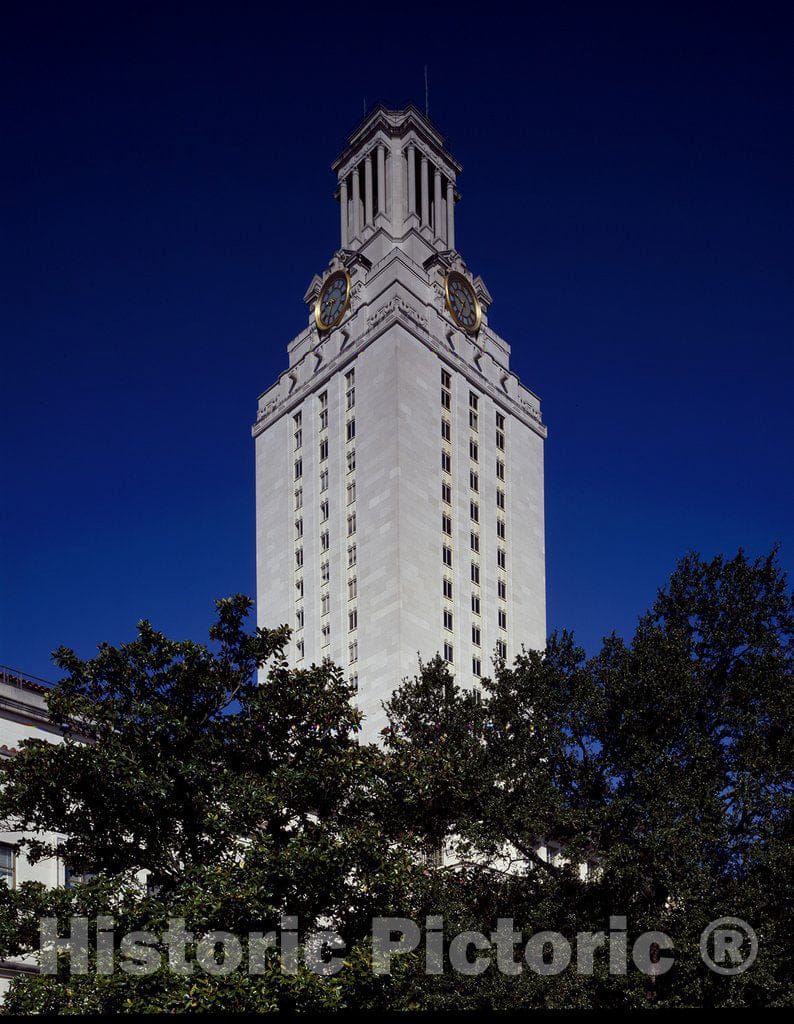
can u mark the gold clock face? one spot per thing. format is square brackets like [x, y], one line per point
[462, 303]
[333, 300]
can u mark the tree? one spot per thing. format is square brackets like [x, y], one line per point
[664, 764]
[242, 802]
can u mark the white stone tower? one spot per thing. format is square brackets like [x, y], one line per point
[399, 462]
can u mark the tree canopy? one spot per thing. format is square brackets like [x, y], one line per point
[660, 769]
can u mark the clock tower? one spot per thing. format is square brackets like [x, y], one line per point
[399, 461]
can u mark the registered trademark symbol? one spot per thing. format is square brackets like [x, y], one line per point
[724, 946]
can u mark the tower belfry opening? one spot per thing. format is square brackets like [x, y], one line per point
[396, 175]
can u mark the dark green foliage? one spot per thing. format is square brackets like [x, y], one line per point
[665, 764]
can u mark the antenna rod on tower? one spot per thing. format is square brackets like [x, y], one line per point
[427, 96]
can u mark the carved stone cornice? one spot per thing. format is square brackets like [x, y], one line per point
[353, 258]
[393, 124]
[424, 320]
[393, 309]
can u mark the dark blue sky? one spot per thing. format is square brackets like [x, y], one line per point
[166, 198]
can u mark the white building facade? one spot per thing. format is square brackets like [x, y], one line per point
[24, 715]
[399, 461]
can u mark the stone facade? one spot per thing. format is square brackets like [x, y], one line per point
[23, 715]
[398, 368]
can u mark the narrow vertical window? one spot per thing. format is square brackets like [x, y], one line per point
[324, 410]
[8, 863]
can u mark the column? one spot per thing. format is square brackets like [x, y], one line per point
[397, 187]
[368, 188]
[425, 191]
[438, 213]
[382, 179]
[411, 180]
[356, 204]
[343, 209]
[450, 215]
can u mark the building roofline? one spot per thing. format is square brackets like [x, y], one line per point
[11, 677]
[387, 118]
